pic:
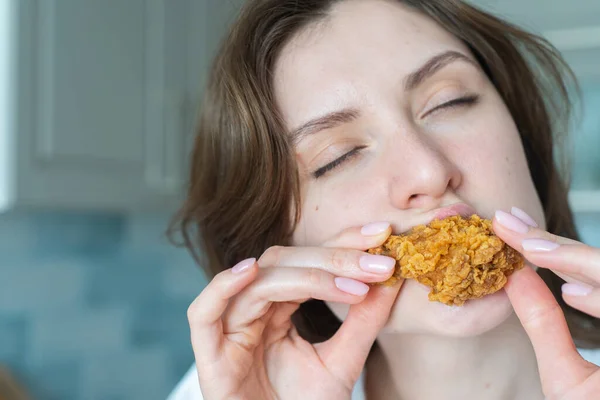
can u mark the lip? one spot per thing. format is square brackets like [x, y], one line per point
[462, 209]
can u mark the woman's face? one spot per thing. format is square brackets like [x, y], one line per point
[408, 124]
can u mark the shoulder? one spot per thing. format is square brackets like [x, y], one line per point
[188, 387]
[591, 355]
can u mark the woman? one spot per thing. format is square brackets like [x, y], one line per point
[329, 125]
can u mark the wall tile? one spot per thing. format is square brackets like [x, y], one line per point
[137, 374]
[16, 235]
[59, 380]
[130, 277]
[586, 140]
[588, 225]
[41, 287]
[153, 320]
[77, 233]
[13, 337]
[76, 332]
[181, 281]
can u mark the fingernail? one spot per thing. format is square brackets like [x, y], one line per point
[243, 265]
[576, 289]
[376, 264]
[538, 245]
[523, 216]
[375, 228]
[511, 222]
[351, 286]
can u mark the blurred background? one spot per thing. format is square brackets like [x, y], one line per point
[97, 103]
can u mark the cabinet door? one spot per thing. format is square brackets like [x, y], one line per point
[102, 97]
[545, 15]
[572, 26]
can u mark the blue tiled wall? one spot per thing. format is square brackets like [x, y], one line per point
[93, 306]
[586, 139]
[586, 160]
[588, 225]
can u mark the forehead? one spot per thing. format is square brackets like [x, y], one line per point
[363, 49]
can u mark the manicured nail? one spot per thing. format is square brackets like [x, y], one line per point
[376, 264]
[375, 228]
[576, 289]
[523, 216]
[538, 245]
[243, 265]
[351, 286]
[511, 222]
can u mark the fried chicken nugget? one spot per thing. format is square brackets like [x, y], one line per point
[459, 259]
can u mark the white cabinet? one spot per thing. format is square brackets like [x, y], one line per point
[574, 28]
[94, 103]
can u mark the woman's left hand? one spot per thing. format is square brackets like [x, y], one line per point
[564, 373]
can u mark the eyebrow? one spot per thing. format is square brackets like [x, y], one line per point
[327, 121]
[346, 115]
[432, 66]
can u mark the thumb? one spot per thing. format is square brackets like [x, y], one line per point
[559, 363]
[345, 354]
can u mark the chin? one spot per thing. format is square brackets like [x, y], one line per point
[414, 313]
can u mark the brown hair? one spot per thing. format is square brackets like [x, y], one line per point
[243, 194]
[10, 389]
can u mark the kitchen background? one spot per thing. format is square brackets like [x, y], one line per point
[97, 103]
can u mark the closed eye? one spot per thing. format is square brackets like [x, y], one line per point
[460, 101]
[337, 162]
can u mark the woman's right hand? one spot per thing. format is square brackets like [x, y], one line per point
[245, 344]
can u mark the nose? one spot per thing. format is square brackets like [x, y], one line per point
[420, 172]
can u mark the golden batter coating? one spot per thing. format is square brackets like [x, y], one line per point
[460, 259]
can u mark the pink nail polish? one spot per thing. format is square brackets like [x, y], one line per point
[351, 286]
[576, 289]
[523, 216]
[376, 264]
[243, 265]
[375, 228]
[538, 245]
[511, 222]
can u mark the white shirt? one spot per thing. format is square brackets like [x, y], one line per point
[189, 389]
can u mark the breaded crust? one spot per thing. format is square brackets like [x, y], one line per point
[458, 258]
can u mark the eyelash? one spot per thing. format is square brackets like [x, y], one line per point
[338, 161]
[461, 101]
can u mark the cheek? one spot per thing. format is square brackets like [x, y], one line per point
[493, 164]
[319, 215]
[330, 208]
[493, 159]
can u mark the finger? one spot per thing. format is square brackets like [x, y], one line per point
[348, 263]
[571, 260]
[204, 314]
[577, 261]
[346, 352]
[582, 297]
[558, 360]
[513, 229]
[361, 238]
[289, 285]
